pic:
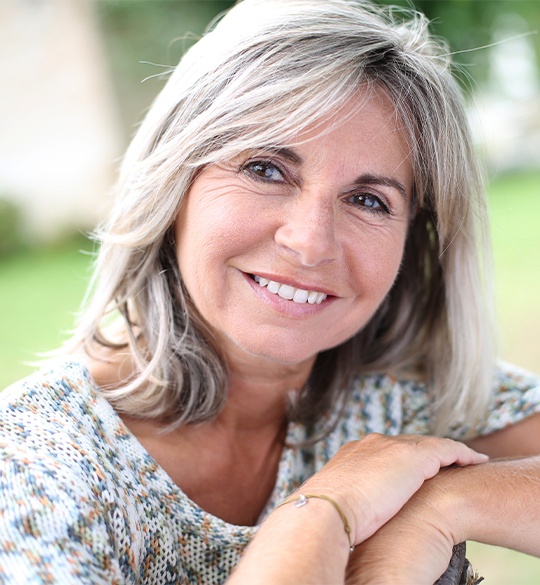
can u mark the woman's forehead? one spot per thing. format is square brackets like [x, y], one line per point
[370, 111]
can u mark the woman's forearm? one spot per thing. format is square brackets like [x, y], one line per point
[496, 503]
[499, 503]
[305, 545]
[371, 480]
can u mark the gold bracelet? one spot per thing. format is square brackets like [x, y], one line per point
[302, 500]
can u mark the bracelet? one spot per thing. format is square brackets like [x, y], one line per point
[302, 500]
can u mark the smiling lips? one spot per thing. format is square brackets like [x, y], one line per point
[291, 293]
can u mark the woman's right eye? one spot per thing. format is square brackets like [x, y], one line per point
[264, 171]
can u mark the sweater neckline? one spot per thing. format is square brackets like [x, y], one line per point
[284, 483]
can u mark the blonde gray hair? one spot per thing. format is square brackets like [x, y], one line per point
[263, 73]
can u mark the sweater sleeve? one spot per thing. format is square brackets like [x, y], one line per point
[515, 396]
[51, 528]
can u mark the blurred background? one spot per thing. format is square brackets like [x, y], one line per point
[78, 75]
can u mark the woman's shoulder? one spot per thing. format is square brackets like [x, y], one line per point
[515, 396]
[399, 403]
[63, 388]
[56, 498]
[510, 377]
[58, 433]
[57, 414]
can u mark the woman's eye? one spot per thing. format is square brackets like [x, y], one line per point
[368, 201]
[265, 171]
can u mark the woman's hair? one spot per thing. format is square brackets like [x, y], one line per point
[268, 70]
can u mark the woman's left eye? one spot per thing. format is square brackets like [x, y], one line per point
[369, 202]
[264, 170]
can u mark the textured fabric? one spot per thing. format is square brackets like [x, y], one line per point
[81, 501]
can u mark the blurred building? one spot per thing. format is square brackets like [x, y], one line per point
[59, 135]
[507, 117]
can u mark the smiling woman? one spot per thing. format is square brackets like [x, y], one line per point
[328, 216]
[290, 309]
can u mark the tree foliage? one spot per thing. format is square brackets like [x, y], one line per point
[144, 39]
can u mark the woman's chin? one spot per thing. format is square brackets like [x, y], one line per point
[285, 352]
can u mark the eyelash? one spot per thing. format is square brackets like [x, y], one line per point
[248, 169]
[382, 209]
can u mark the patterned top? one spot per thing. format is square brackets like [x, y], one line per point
[81, 501]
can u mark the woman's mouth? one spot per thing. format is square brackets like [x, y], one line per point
[286, 291]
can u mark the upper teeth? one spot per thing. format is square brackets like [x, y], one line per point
[291, 293]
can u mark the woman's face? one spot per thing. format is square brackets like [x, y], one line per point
[287, 252]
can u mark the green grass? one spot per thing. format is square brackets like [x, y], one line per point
[500, 566]
[515, 222]
[40, 291]
[515, 218]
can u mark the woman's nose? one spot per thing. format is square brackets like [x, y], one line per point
[308, 231]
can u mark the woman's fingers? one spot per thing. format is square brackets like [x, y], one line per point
[438, 452]
[415, 546]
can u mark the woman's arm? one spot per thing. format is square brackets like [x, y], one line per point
[305, 545]
[496, 503]
[518, 440]
[370, 480]
[52, 526]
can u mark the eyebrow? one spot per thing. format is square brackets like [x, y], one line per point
[285, 152]
[373, 179]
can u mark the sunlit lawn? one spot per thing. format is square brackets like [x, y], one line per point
[40, 292]
[515, 207]
[515, 217]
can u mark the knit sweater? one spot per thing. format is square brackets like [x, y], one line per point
[82, 502]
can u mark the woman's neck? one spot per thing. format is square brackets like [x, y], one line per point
[260, 391]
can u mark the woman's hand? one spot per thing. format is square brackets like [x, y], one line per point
[415, 546]
[372, 479]
[495, 503]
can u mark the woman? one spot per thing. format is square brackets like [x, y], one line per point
[291, 291]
